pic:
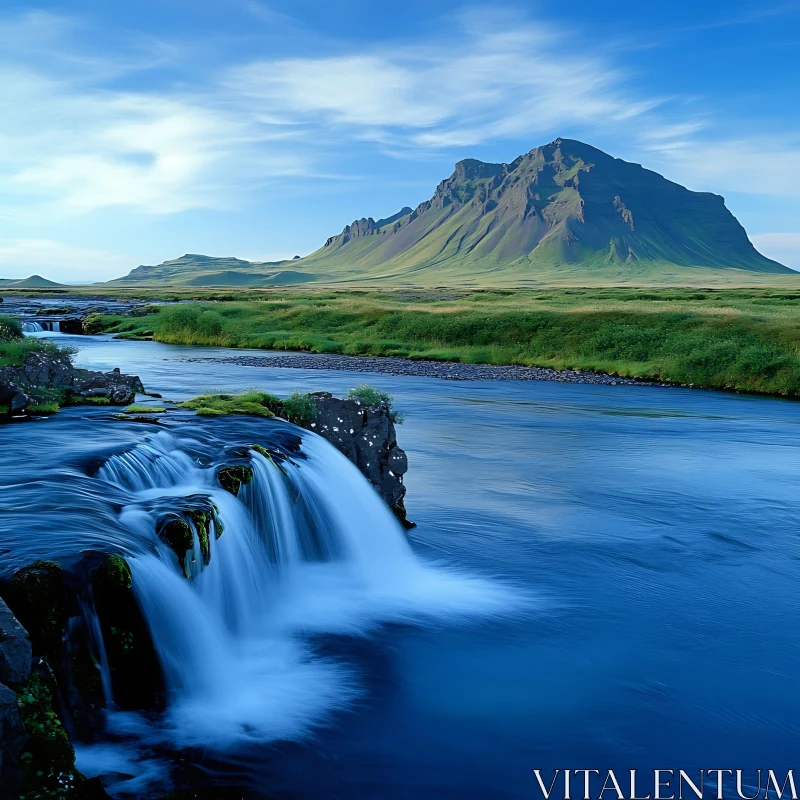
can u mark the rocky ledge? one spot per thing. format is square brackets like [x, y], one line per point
[366, 435]
[43, 378]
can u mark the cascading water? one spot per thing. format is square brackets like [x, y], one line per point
[31, 327]
[308, 547]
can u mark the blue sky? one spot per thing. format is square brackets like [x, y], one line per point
[135, 132]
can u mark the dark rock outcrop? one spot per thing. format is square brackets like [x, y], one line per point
[15, 649]
[13, 739]
[71, 325]
[42, 375]
[15, 668]
[366, 436]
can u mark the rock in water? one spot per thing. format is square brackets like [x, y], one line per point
[366, 435]
[43, 374]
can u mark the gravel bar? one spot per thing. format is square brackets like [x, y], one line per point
[446, 370]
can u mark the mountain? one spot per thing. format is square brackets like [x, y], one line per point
[562, 212]
[33, 282]
[566, 207]
[198, 270]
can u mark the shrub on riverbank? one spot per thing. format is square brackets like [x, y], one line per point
[732, 339]
[371, 396]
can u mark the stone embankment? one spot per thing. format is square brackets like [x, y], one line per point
[44, 377]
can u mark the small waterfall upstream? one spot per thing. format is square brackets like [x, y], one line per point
[308, 547]
[41, 326]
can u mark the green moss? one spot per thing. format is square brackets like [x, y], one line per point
[43, 408]
[116, 572]
[202, 524]
[232, 477]
[48, 765]
[89, 401]
[177, 533]
[262, 451]
[257, 404]
[142, 409]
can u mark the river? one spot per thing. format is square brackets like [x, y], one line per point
[650, 533]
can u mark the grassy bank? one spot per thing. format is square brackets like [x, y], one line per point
[744, 339]
[14, 346]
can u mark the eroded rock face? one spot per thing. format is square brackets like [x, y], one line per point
[20, 385]
[15, 649]
[15, 668]
[13, 739]
[366, 436]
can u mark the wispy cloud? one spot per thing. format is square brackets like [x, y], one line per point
[20, 258]
[74, 136]
[490, 77]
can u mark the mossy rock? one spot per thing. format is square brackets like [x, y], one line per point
[177, 533]
[40, 598]
[262, 451]
[136, 676]
[232, 477]
[202, 524]
[48, 764]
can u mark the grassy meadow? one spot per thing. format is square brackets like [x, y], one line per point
[745, 339]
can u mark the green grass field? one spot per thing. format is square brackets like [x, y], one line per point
[737, 339]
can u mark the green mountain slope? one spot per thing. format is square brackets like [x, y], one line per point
[563, 208]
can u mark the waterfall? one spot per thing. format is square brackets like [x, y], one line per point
[31, 327]
[308, 547]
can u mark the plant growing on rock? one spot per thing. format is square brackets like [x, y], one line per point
[300, 409]
[48, 765]
[371, 396]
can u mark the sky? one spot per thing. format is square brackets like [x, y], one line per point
[132, 133]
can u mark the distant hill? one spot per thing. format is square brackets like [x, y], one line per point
[198, 270]
[564, 211]
[33, 282]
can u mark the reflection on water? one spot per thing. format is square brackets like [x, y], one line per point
[657, 527]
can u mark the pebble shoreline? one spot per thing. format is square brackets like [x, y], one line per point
[446, 370]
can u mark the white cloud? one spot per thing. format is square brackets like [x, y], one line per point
[486, 80]
[783, 247]
[20, 258]
[769, 166]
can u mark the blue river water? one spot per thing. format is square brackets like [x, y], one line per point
[657, 530]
